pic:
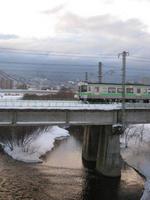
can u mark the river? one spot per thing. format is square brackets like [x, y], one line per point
[62, 176]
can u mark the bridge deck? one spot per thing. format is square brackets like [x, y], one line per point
[29, 112]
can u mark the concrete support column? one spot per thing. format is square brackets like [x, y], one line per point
[90, 143]
[108, 157]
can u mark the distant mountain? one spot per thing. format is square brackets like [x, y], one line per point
[62, 69]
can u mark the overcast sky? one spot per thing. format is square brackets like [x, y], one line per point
[76, 26]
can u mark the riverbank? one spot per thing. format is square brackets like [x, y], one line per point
[135, 151]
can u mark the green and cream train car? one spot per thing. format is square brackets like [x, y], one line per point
[112, 92]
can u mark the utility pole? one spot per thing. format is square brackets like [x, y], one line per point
[124, 54]
[86, 76]
[100, 72]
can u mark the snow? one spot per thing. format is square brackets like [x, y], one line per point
[57, 105]
[117, 125]
[146, 194]
[65, 105]
[137, 152]
[10, 97]
[39, 144]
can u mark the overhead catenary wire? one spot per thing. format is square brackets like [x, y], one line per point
[140, 57]
[53, 53]
[139, 60]
[94, 65]
[47, 64]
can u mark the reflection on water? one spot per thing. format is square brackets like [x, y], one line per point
[96, 188]
[68, 154]
[63, 177]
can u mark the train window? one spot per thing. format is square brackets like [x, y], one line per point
[79, 89]
[119, 90]
[148, 90]
[111, 90]
[89, 88]
[145, 90]
[129, 90]
[138, 90]
[96, 89]
[83, 88]
[105, 89]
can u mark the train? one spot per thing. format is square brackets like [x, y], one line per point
[112, 92]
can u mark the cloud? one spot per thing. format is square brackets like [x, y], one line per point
[8, 36]
[104, 32]
[143, 1]
[108, 1]
[102, 25]
[92, 35]
[54, 10]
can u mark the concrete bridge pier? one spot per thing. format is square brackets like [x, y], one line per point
[108, 156]
[90, 143]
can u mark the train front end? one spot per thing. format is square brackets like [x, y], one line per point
[83, 91]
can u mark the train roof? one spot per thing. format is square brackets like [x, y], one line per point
[95, 83]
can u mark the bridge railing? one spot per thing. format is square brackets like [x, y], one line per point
[36, 103]
[54, 104]
[25, 104]
[138, 105]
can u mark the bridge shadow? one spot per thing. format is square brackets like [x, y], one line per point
[99, 187]
[128, 187]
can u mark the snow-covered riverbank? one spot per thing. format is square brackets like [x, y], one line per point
[35, 145]
[136, 152]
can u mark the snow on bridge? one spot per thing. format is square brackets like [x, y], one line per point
[63, 105]
[54, 104]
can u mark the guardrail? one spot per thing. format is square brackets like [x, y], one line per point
[8, 104]
[137, 105]
[51, 104]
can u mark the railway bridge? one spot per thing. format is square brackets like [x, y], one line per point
[101, 144]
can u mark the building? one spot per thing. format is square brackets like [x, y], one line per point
[6, 81]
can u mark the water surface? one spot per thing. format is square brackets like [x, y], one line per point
[63, 177]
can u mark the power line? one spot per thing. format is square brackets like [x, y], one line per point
[54, 53]
[140, 57]
[46, 64]
[139, 60]
[137, 70]
[55, 64]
